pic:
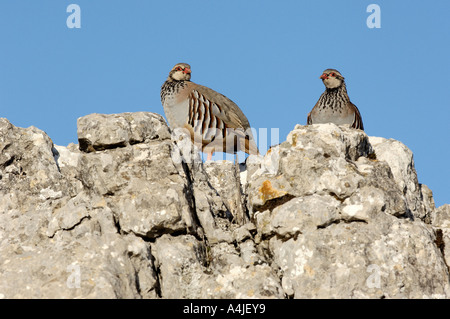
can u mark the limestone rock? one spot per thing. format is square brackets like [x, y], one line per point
[141, 186]
[191, 270]
[340, 164]
[133, 212]
[440, 219]
[55, 243]
[400, 160]
[362, 261]
[338, 223]
[205, 198]
[105, 131]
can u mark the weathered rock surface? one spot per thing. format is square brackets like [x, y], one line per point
[132, 212]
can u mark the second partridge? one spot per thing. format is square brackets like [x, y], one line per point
[334, 105]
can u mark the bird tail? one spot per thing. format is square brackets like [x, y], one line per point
[250, 146]
[250, 143]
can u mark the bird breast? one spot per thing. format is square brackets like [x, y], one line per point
[337, 115]
[176, 110]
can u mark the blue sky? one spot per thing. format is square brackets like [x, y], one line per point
[266, 56]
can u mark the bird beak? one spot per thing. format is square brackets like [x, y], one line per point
[187, 71]
[323, 76]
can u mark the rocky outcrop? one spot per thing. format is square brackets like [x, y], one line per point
[132, 212]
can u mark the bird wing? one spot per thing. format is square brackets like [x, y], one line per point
[221, 107]
[309, 119]
[357, 122]
[211, 112]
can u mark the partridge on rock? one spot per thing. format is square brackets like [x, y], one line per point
[334, 105]
[214, 122]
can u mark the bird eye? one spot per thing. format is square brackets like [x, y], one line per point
[333, 74]
[178, 68]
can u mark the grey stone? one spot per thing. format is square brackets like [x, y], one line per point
[133, 212]
[440, 220]
[98, 132]
[400, 160]
[362, 261]
[441, 216]
[338, 165]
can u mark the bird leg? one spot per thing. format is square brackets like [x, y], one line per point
[209, 156]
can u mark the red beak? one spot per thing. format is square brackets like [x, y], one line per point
[323, 76]
[187, 71]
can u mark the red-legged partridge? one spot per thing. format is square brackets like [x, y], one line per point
[215, 123]
[334, 105]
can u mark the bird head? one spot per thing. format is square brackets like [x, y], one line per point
[180, 72]
[331, 78]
